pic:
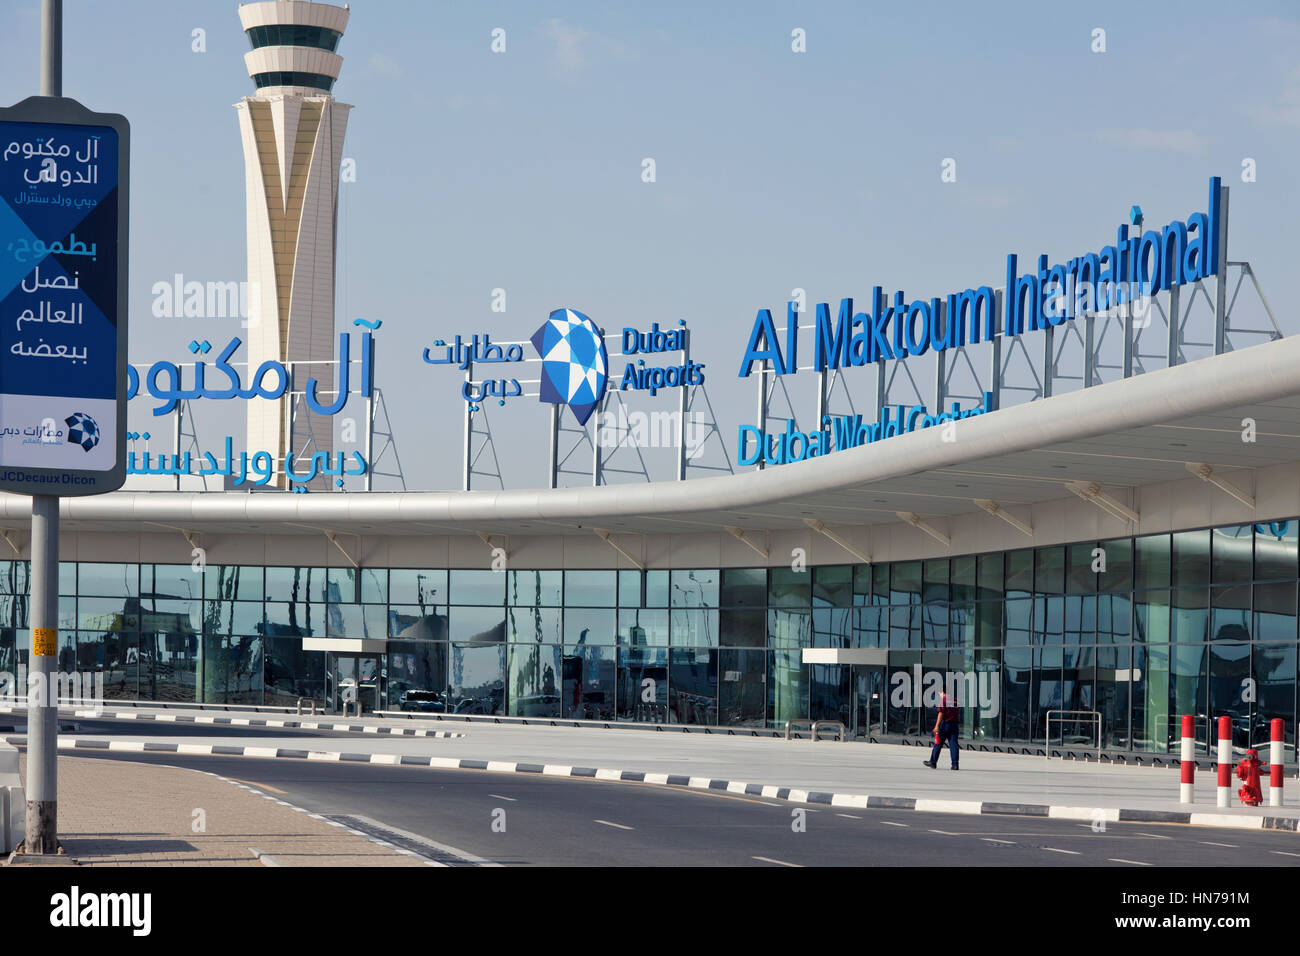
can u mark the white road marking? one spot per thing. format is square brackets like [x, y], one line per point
[889, 823]
[616, 825]
[500, 797]
[1231, 846]
[1132, 862]
[1284, 853]
[946, 833]
[764, 859]
[848, 816]
[991, 840]
[1155, 836]
[1052, 849]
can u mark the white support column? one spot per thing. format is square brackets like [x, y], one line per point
[604, 535]
[1206, 473]
[997, 511]
[820, 527]
[739, 535]
[1091, 492]
[916, 521]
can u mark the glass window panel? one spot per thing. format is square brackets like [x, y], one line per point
[1151, 617]
[171, 580]
[642, 673]
[1275, 611]
[862, 584]
[1275, 550]
[583, 626]
[13, 578]
[67, 577]
[417, 675]
[478, 671]
[230, 582]
[413, 586]
[989, 571]
[121, 664]
[170, 664]
[695, 588]
[871, 627]
[478, 587]
[295, 584]
[477, 625]
[963, 575]
[1080, 577]
[533, 680]
[638, 627]
[935, 580]
[294, 620]
[1191, 559]
[934, 624]
[1232, 553]
[1230, 618]
[589, 680]
[742, 628]
[789, 588]
[904, 580]
[342, 585]
[344, 620]
[880, 584]
[1274, 668]
[1114, 619]
[415, 623]
[1080, 619]
[233, 617]
[590, 588]
[1189, 618]
[694, 627]
[1017, 681]
[374, 585]
[1118, 575]
[1229, 680]
[656, 589]
[693, 686]
[1049, 620]
[1049, 570]
[629, 588]
[789, 628]
[102, 614]
[533, 625]
[832, 627]
[289, 672]
[173, 617]
[905, 625]
[1020, 571]
[743, 587]
[788, 688]
[742, 688]
[833, 586]
[829, 693]
[108, 580]
[1151, 560]
[534, 588]
[1018, 614]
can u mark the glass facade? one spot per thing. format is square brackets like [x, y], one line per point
[315, 81]
[1128, 633]
[285, 34]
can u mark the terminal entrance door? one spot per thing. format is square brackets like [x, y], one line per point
[868, 685]
[356, 678]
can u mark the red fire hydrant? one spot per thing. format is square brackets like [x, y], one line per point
[1248, 771]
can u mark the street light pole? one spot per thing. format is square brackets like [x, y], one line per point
[42, 688]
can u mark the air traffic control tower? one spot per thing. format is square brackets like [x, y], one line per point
[292, 128]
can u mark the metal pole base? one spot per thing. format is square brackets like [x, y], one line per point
[42, 817]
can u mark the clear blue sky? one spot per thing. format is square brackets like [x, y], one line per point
[775, 170]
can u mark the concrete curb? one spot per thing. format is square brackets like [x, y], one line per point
[249, 722]
[789, 794]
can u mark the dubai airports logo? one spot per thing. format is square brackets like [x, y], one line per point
[82, 430]
[575, 365]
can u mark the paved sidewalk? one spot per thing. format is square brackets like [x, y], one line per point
[117, 813]
[879, 770]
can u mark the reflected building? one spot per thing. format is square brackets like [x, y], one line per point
[292, 130]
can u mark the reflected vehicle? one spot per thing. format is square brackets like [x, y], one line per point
[425, 701]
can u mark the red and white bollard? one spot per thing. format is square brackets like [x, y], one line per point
[1225, 761]
[1188, 760]
[1275, 763]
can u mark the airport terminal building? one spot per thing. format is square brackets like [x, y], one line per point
[1073, 501]
[1127, 550]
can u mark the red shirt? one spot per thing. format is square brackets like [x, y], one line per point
[948, 714]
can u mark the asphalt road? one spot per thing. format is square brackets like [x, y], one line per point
[523, 820]
[82, 727]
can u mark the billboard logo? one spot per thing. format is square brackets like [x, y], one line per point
[82, 430]
[575, 365]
